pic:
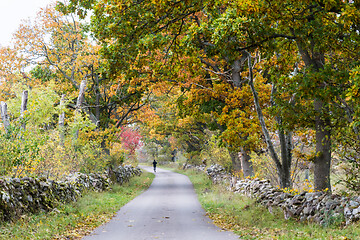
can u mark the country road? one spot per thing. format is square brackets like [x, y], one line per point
[169, 209]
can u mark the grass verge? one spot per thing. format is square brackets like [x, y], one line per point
[74, 220]
[252, 221]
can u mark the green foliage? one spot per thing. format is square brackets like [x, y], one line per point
[19, 150]
[42, 73]
[39, 150]
[350, 177]
[214, 153]
[41, 105]
[59, 159]
[264, 168]
[80, 122]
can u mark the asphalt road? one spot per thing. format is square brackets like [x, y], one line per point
[169, 209]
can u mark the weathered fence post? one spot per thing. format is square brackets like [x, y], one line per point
[81, 96]
[79, 102]
[62, 120]
[5, 116]
[24, 101]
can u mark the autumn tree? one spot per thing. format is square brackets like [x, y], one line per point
[58, 47]
[10, 72]
[173, 68]
[281, 29]
[55, 51]
[130, 140]
[163, 122]
[316, 30]
[247, 41]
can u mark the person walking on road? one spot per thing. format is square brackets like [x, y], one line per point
[154, 164]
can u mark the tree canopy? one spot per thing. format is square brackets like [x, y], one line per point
[274, 78]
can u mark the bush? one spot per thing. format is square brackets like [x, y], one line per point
[40, 151]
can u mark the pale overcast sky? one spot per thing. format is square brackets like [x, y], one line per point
[13, 11]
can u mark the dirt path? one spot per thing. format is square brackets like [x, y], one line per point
[169, 209]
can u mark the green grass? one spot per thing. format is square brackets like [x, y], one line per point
[252, 221]
[72, 221]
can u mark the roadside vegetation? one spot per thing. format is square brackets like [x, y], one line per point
[250, 220]
[74, 220]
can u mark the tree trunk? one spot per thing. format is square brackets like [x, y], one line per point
[97, 100]
[104, 147]
[274, 156]
[173, 155]
[236, 162]
[235, 73]
[285, 139]
[285, 177]
[5, 117]
[246, 163]
[322, 160]
[92, 117]
[24, 101]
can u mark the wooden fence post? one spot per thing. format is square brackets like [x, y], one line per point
[24, 101]
[5, 116]
[81, 96]
[79, 102]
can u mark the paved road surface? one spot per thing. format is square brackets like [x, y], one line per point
[169, 209]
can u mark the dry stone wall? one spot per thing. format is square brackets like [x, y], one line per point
[19, 196]
[218, 174]
[308, 206]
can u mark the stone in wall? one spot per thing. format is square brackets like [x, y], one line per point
[313, 207]
[200, 168]
[19, 196]
[218, 174]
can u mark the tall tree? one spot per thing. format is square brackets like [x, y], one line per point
[312, 33]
